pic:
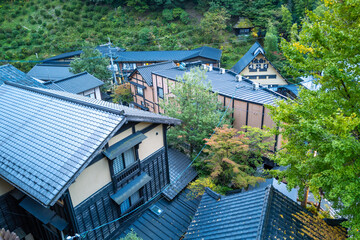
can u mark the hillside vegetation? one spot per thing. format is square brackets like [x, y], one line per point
[37, 29]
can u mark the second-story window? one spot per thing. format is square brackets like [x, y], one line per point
[140, 91]
[124, 160]
[132, 200]
[160, 92]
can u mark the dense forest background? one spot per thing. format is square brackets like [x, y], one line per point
[38, 29]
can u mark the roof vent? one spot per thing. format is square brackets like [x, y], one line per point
[222, 70]
[213, 194]
[157, 210]
[238, 78]
[256, 86]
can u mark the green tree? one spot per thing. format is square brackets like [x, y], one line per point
[122, 94]
[233, 156]
[271, 41]
[131, 236]
[322, 128]
[286, 21]
[193, 102]
[213, 23]
[92, 61]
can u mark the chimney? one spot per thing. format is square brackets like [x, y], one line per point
[256, 86]
[238, 78]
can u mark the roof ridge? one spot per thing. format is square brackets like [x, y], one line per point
[155, 64]
[66, 98]
[265, 211]
[5, 65]
[75, 75]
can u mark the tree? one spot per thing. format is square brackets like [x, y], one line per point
[193, 102]
[131, 236]
[214, 23]
[271, 41]
[92, 61]
[322, 128]
[122, 94]
[286, 20]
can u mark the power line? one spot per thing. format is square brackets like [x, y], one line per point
[83, 234]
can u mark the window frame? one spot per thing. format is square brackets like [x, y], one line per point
[158, 91]
[122, 155]
[138, 90]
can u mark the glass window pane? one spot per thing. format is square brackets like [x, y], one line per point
[118, 164]
[129, 157]
[125, 205]
[135, 197]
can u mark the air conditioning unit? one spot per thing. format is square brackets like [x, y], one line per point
[204, 66]
[256, 86]
[222, 70]
[210, 68]
[131, 105]
[238, 78]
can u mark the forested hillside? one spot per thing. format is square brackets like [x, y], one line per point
[37, 29]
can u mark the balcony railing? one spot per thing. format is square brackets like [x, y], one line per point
[127, 174]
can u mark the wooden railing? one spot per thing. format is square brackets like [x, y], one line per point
[127, 174]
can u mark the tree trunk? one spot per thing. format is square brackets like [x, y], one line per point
[306, 194]
[318, 206]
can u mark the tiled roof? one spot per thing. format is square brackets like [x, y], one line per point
[12, 74]
[225, 84]
[260, 213]
[49, 72]
[160, 56]
[146, 71]
[75, 84]
[247, 58]
[46, 139]
[171, 224]
[132, 114]
[178, 162]
[104, 49]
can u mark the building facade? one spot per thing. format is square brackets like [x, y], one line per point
[73, 163]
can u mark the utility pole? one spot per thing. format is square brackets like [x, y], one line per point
[112, 63]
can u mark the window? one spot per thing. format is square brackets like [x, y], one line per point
[140, 91]
[132, 200]
[123, 161]
[272, 76]
[258, 65]
[266, 65]
[262, 77]
[160, 92]
[129, 66]
[91, 95]
[261, 60]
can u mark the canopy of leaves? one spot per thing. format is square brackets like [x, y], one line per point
[214, 23]
[122, 94]
[234, 156]
[93, 62]
[131, 236]
[192, 101]
[322, 128]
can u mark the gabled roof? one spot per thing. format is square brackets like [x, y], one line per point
[104, 49]
[243, 23]
[160, 56]
[248, 57]
[48, 137]
[47, 72]
[225, 84]
[12, 74]
[77, 83]
[131, 114]
[261, 213]
[146, 70]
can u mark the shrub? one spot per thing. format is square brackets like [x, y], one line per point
[167, 14]
[177, 12]
[57, 12]
[184, 17]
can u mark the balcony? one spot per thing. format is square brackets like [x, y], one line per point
[126, 174]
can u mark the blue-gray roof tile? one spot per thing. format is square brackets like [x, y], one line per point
[47, 140]
[247, 58]
[48, 72]
[260, 213]
[12, 74]
[160, 56]
[75, 84]
[225, 84]
[146, 71]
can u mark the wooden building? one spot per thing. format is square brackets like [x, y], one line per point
[69, 163]
[151, 84]
[255, 66]
[243, 27]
